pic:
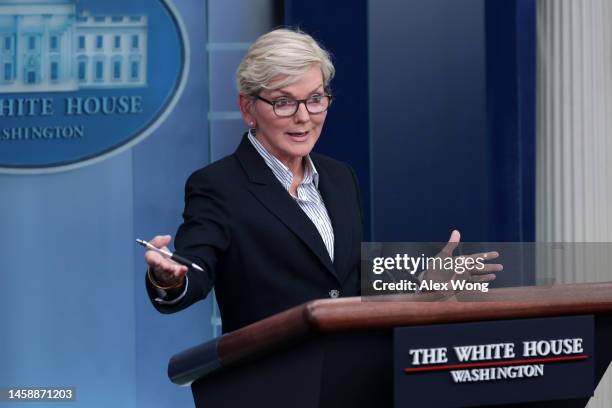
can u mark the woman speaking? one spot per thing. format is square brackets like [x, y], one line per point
[273, 225]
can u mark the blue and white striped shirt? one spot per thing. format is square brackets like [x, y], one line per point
[308, 197]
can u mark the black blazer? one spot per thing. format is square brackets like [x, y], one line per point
[260, 251]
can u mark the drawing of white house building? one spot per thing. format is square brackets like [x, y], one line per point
[45, 46]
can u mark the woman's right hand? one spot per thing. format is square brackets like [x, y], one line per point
[165, 271]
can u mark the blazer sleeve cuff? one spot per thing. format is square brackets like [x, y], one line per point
[163, 295]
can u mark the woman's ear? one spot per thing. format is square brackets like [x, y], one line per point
[245, 103]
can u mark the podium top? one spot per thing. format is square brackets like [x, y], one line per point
[357, 313]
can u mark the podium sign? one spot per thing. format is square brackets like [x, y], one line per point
[472, 364]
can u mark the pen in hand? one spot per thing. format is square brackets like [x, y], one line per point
[170, 255]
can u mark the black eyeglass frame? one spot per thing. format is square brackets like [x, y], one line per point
[297, 107]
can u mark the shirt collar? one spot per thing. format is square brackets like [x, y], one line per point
[282, 172]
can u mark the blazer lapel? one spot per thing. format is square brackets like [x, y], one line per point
[268, 190]
[334, 202]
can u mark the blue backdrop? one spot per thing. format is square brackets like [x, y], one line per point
[445, 92]
[74, 311]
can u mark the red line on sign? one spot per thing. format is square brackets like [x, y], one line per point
[496, 363]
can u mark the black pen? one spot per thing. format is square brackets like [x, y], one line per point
[170, 255]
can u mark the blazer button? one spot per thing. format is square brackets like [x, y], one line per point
[334, 293]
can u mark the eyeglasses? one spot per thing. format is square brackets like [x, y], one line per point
[285, 107]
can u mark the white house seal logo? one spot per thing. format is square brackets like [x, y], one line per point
[83, 79]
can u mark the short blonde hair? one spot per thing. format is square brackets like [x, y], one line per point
[281, 52]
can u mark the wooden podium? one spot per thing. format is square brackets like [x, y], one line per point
[339, 352]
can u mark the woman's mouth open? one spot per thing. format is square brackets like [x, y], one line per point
[299, 136]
